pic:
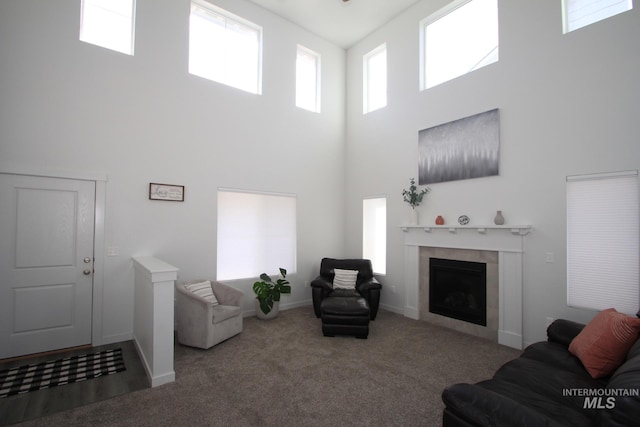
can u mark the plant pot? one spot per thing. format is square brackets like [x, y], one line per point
[271, 315]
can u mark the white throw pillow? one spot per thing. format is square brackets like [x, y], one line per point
[203, 290]
[345, 279]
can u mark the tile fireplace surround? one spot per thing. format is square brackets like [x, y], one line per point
[505, 241]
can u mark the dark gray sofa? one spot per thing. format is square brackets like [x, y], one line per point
[546, 386]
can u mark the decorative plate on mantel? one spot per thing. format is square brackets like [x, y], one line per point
[463, 220]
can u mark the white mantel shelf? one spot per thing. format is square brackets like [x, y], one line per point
[521, 230]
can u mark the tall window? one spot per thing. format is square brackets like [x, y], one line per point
[458, 39]
[603, 241]
[308, 79]
[580, 13]
[108, 23]
[256, 234]
[374, 233]
[375, 79]
[224, 47]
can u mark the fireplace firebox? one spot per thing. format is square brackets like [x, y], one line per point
[458, 289]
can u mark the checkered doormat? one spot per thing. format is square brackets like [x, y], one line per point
[26, 378]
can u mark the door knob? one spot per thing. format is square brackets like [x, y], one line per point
[86, 272]
[87, 260]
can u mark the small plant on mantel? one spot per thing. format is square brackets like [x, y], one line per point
[412, 196]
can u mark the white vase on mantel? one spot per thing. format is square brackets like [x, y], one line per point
[413, 217]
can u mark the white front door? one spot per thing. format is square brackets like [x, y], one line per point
[46, 263]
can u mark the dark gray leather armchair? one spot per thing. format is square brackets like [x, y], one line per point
[367, 286]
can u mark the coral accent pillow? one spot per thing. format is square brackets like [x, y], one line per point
[604, 343]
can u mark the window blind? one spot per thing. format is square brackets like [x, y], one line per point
[256, 234]
[603, 240]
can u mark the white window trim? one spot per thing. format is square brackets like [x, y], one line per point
[603, 175]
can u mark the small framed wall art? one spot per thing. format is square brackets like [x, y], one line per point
[167, 192]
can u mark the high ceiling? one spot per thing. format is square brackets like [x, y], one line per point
[343, 23]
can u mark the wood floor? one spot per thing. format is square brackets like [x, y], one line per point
[15, 409]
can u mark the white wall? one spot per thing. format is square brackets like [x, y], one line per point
[569, 104]
[73, 108]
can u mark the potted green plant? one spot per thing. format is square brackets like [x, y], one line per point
[268, 294]
[414, 198]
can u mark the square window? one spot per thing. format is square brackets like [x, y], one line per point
[458, 39]
[225, 48]
[580, 13]
[108, 23]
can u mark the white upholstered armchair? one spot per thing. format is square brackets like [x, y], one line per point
[208, 312]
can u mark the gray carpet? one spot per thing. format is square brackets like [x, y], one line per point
[283, 372]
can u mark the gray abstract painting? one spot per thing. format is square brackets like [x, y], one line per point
[462, 149]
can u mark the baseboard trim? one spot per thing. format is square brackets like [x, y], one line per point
[392, 309]
[112, 339]
[283, 307]
[510, 339]
[157, 380]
